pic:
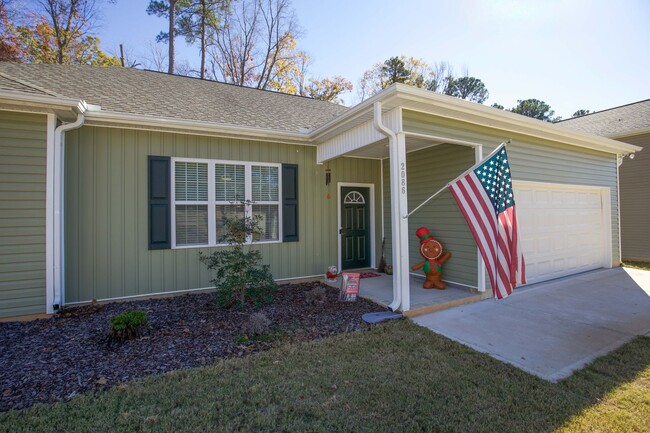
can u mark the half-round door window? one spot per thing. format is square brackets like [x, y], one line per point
[354, 197]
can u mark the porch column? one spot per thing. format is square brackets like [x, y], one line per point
[399, 225]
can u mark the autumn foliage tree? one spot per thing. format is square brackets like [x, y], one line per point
[328, 89]
[418, 73]
[9, 48]
[402, 69]
[54, 31]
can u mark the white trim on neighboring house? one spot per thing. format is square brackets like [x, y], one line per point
[49, 216]
[373, 246]
[211, 203]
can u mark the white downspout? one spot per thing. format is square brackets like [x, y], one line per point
[399, 208]
[59, 183]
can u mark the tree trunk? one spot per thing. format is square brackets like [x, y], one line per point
[203, 42]
[172, 35]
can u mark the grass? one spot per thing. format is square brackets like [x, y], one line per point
[637, 265]
[395, 377]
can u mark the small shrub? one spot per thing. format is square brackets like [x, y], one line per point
[316, 296]
[240, 276]
[129, 324]
[257, 324]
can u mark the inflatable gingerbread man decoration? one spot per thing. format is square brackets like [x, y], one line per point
[431, 249]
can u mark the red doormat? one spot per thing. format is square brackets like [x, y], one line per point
[369, 275]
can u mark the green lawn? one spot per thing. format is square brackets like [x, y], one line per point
[637, 265]
[396, 377]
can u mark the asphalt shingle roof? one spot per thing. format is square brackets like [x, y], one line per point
[157, 94]
[614, 121]
[15, 85]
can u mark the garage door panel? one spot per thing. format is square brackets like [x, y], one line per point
[562, 229]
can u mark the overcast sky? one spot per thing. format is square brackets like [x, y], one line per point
[573, 54]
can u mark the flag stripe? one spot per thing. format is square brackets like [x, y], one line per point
[483, 244]
[485, 198]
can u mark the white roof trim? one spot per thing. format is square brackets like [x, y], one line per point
[124, 120]
[457, 109]
[42, 100]
[393, 96]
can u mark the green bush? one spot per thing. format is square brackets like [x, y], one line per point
[240, 277]
[129, 324]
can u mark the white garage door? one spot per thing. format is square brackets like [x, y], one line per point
[563, 229]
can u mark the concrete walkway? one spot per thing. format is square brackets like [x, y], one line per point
[552, 329]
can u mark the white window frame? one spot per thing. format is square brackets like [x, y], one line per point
[212, 202]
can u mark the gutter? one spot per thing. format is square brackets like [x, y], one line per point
[396, 219]
[121, 120]
[49, 100]
[59, 205]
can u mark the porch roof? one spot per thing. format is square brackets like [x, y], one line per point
[348, 133]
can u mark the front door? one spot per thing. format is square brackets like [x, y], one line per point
[355, 227]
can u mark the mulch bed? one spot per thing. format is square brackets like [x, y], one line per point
[54, 359]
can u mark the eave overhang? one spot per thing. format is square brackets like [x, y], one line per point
[396, 95]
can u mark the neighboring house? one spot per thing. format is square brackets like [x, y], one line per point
[112, 180]
[629, 123]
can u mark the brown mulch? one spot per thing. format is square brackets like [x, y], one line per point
[57, 358]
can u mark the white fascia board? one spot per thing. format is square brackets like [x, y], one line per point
[118, 119]
[500, 119]
[41, 100]
[409, 97]
[363, 109]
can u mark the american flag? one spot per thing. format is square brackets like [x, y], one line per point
[485, 198]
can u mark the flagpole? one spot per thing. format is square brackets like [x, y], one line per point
[505, 143]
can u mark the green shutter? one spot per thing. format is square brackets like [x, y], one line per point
[159, 203]
[289, 202]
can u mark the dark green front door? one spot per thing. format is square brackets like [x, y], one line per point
[355, 227]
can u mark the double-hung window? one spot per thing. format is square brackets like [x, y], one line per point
[206, 192]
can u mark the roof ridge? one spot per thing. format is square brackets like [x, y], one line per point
[31, 85]
[207, 80]
[606, 109]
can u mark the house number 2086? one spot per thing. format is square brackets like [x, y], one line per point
[402, 175]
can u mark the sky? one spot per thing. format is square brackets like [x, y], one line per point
[572, 54]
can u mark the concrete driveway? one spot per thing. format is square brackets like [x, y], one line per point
[552, 329]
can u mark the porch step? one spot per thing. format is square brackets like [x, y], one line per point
[451, 304]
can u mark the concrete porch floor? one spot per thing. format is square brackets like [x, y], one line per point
[380, 290]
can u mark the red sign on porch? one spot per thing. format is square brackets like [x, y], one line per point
[349, 286]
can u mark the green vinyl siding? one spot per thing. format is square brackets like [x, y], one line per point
[23, 152]
[532, 159]
[106, 211]
[429, 170]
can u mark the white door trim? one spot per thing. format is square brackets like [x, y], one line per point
[371, 186]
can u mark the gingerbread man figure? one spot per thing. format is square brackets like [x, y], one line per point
[432, 251]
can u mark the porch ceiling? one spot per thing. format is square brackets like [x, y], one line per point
[379, 149]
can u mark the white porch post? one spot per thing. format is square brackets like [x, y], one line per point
[400, 225]
[398, 209]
